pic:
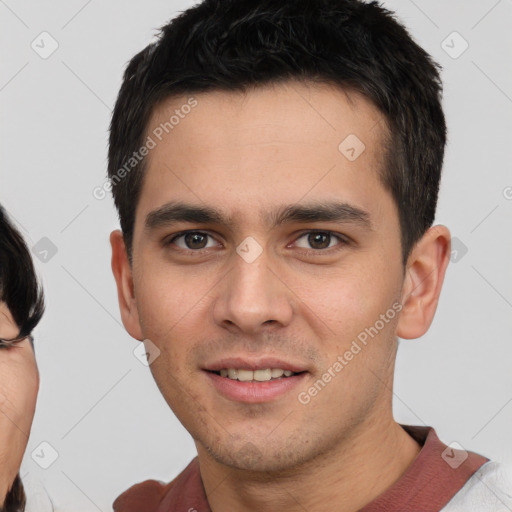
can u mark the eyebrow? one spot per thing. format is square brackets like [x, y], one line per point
[332, 211]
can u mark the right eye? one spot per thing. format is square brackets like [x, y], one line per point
[193, 241]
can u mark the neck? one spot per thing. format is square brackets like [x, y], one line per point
[356, 471]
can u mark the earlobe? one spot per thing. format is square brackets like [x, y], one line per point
[426, 267]
[122, 271]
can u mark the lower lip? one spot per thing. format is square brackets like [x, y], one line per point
[254, 392]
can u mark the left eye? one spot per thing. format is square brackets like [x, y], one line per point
[320, 239]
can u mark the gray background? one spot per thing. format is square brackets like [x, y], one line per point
[98, 406]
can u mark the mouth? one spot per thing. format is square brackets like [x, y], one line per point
[261, 375]
[254, 382]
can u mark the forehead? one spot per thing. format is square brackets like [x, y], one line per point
[288, 139]
[5, 315]
[312, 112]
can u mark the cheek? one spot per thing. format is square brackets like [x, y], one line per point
[172, 308]
[163, 297]
[19, 386]
[347, 301]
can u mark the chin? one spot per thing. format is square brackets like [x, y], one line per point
[261, 458]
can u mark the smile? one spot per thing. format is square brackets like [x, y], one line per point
[254, 386]
[262, 375]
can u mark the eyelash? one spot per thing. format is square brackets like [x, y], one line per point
[4, 345]
[14, 343]
[343, 239]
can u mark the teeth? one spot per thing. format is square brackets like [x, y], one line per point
[257, 375]
[245, 375]
[262, 375]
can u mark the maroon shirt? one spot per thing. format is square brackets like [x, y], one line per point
[427, 485]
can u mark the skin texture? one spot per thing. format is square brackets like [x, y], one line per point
[246, 155]
[19, 385]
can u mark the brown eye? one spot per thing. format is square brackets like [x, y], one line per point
[191, 240]
[195, 240]
[320, 240]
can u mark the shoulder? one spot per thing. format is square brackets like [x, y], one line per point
[488, 490]
[144, 496]
[149, 495]
[38, 498]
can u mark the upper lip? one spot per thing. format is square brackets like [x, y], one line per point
[254, 363]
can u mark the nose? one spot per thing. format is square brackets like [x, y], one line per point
[252, 297]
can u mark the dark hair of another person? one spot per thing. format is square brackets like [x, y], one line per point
[23, 295]
[235, 45]
[15, 501]
[19, 287]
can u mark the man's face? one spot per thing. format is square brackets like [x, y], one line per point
[254, 293]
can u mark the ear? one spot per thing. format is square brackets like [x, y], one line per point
[425, 270]
[122, 271]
